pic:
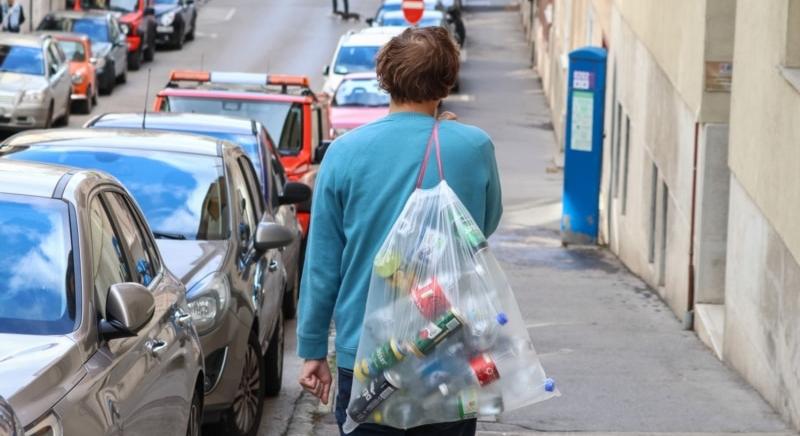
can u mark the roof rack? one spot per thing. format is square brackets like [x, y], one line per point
[254, 82]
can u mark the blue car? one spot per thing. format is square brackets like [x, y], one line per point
[255, 141]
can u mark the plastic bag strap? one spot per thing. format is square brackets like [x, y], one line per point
[434, 139]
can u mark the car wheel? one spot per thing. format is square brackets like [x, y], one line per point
[135, 59]
[190, 35]
[48, 122]
[123, 78]
[290, 296]
[150, 53]
[87, 104]
[94, 96]
[195, 414]
[179, 37]
[244, 415]
[274, 360]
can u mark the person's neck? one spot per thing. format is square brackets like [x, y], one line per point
[426, 108]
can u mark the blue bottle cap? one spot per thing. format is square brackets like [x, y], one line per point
[549, 385]
[502, 318]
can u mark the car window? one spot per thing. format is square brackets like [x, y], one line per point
[292, 135]
[361, 93]
[355, 59]
[134, 238]
[316, 127]
[113, 31]
[53, 59]
[244, 203]
[246, 167]
[38, 294]
[23, 60]
[108, 260]
[73, 50]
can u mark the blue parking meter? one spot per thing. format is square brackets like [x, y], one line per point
[583, 151]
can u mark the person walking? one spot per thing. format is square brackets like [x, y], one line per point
[13, 16]
[363, 184]
[346, 13]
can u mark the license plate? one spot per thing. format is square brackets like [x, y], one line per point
[164, 29]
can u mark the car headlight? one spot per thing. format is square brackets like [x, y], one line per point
[99, 63]
[9, 422]
[77, 78]
[36, 96]
[167, 19]
[208, 300]
[50, 425]
[126, 29]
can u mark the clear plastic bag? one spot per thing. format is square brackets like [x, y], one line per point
[443, 338]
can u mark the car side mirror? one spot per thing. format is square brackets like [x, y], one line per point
[129, 306]
[326, 70]
[149, 10]
[322, 148]
[295, 192]
[272, 235]
[370, 21]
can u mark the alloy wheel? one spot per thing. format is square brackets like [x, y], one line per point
[246, 403]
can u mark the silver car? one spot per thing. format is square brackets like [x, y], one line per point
[95, 333]
[200, 196]
[35, 85]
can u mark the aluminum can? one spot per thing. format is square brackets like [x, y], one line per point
[429, 337]
[384, 357]
[430, 299]
[376, 391]
[387, 263]
[484, 369]
[468, 404]
[470, 232]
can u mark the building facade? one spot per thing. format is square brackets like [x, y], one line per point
[701, 149]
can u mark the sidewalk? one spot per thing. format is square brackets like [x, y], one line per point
[620, 357]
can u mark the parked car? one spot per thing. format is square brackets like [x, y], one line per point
[452, 9]
[280, 195]
[359, 99]
[177, 22]
[356, 53]
[35, 84]
[284, 104]
[109, 46]
[77, 49]
[138, 23]
[201, 198]
[95, 332]
[430, 18]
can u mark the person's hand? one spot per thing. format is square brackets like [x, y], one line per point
[448, 116]
[315, 377]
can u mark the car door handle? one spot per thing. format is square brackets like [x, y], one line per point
[273, 265]
[183, 319]
[156, 346]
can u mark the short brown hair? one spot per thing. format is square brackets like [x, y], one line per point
[419, 65]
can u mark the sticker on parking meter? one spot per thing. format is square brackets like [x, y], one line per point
[583, 80]
[582, 120]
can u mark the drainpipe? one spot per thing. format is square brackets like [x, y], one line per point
[688, 317]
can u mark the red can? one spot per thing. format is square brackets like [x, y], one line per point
[430, 299]
[484, 368]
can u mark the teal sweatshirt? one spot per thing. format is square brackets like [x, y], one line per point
[365, 180]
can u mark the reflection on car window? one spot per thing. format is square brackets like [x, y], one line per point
[272, 114]
[133, 237]
[166, 2]
[23, 60]
[182, 195]
[292, 135]
[37, 295]
[355, 59]
[245, 204]
[95, 29]
[361, 93]
[74, 50]
[108, 261]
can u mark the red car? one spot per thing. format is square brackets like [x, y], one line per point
[138, 21]
[358, 100]
[284, 104]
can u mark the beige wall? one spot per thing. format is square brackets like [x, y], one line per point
[765, 109]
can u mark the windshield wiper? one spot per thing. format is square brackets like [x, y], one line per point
[168, 235]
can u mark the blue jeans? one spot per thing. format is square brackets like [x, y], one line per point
[460, 428]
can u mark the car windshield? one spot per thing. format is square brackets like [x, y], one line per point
[360, 93]
[183, 196]
[248, 143]
[23, 60]
[399, 20]
[272, 114]
[123, 5]
[95, 28]
[37, 285]
[166, 2]
[355, 59]
[73, 50]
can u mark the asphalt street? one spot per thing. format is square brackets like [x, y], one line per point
[622, 361]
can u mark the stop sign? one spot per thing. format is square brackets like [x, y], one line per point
[413, 10]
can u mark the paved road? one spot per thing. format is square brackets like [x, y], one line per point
[621, 358]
